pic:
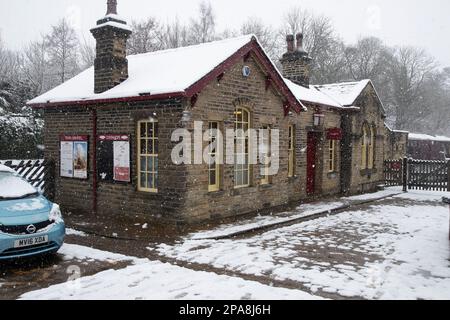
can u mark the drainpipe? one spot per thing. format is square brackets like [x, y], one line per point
[94, 160]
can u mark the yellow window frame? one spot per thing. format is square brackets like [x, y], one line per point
[144, 153]
[242, 121]
[291, 151]
[266, 139]
[332, 156]
[214, 167]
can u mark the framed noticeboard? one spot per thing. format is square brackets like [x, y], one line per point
[113, 158]
[74, 156]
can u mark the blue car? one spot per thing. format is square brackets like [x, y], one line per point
[30, 225]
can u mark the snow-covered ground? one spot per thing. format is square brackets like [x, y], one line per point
[154, 280]
[303, 211]
[393, 249]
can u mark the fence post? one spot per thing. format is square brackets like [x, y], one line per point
[448, 175]
[405, 174]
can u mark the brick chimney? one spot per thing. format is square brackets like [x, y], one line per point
[111, 64]
[296, 63]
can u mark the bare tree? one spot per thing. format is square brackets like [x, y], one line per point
[266, 35]
[63, 48]
[146, 37]
[368, 59]
[409, 70]
[9, 63]
[87, 54]
[320, 41]
[203, 28]
[175, 35]
[34, 66]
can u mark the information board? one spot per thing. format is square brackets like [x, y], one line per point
[74, 156]
[113, 158]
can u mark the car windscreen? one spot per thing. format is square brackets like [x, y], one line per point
[14, 187]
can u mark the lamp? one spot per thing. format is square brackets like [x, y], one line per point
[186, 117]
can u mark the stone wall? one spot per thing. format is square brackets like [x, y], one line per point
[118, 198]
[217, 102]
[363, 180]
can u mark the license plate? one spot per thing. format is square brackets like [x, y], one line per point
[22, 243]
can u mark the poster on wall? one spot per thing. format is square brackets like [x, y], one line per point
[113, 158]
[74, 156]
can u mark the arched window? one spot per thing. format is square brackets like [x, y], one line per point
[371, 150]
[242, 148]
[365, 141]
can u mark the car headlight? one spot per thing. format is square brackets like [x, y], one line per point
[55, 214]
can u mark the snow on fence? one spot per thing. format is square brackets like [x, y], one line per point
[415, 174]
[40, 173]
[393, 173]
[428, 175]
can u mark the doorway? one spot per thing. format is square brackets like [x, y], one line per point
[311, 163]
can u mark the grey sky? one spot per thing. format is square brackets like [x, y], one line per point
[397, 22]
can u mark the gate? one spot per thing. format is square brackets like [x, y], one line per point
[415, 174]
[39, 173]
[393, 173]
[428, 175]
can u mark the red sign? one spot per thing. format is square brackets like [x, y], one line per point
[64, 137]
[114, 137]
[334, 134]
[122, 174]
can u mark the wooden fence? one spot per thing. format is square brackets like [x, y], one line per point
[40, 173]
[415, 174]
[393, 173]
[428, 175]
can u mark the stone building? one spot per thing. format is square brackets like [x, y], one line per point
[110, 130]
[428, 147]
[344, 128]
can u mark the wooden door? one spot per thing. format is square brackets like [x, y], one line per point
[311, 163]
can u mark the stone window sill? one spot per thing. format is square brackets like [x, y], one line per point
[368, 172]
[265, 186]
[217, 193]
[332, 174]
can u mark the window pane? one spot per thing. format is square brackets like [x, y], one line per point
[150, 130]
[149, 146]
[150, 164]
[238, 178]
[143, 164]
[155, 163]
[245, 177]
[143, 129]
[245, 116]
[212, 177]
[150, 181]
[143, 146]
[143, 180]
[155, 129]
[155, 146]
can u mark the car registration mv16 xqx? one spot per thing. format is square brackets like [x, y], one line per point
[29, 242]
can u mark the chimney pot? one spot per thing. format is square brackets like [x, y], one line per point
[112, 7]
[299, 41]
[290, 43]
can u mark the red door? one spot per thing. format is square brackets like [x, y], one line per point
[311, 163]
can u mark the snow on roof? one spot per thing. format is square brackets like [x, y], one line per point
[311, 95]
[160, 72]
[344, 93]
[426, 137]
